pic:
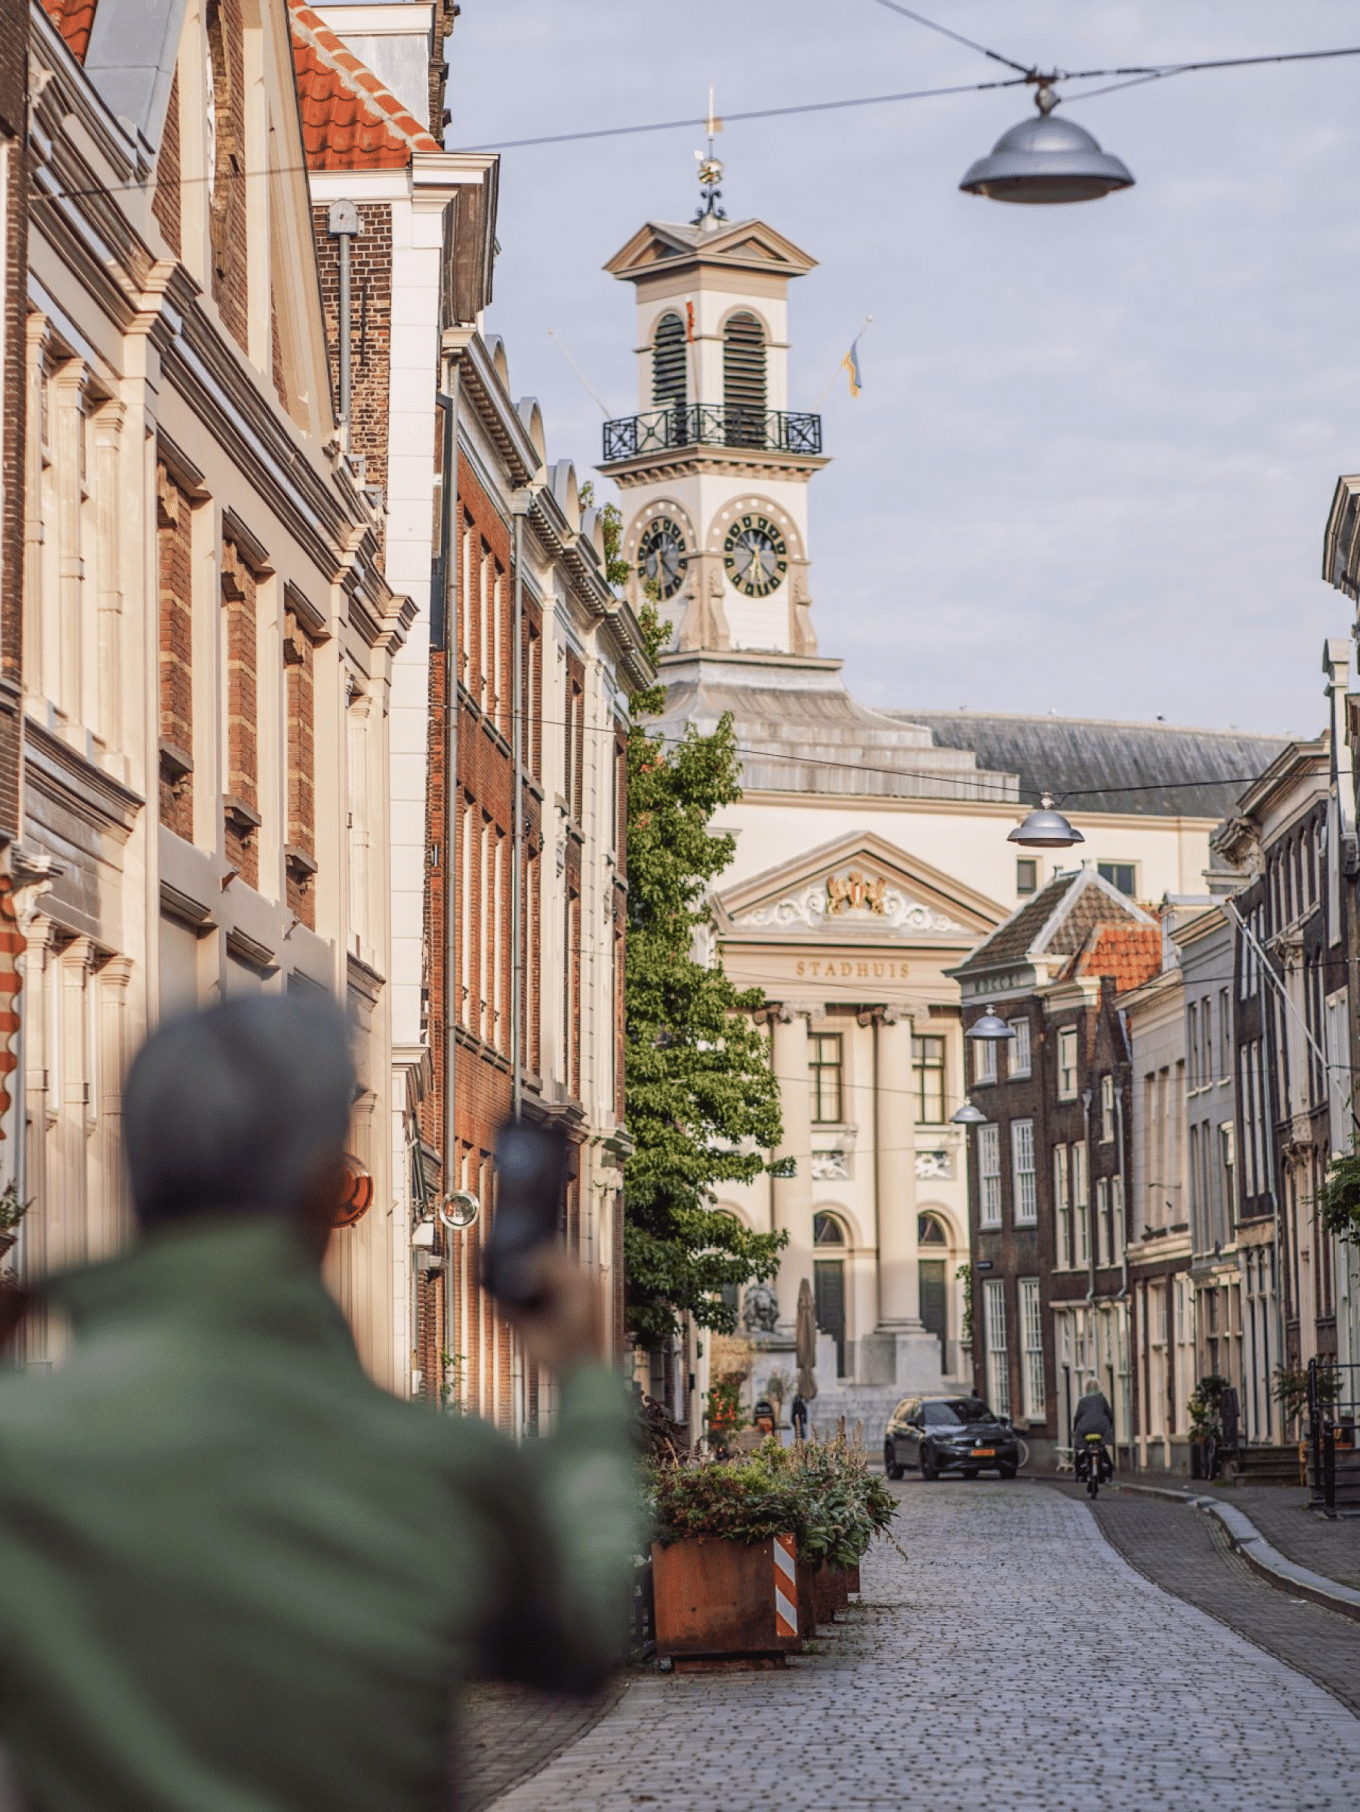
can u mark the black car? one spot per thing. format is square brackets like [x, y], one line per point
[949, 1434]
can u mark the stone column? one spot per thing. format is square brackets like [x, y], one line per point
[899, 1302]
[793, 1194]
[908, 1355]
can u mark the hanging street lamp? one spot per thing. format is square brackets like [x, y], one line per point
[967, 1115]
[990, 1028]
[1046, 160]
[1045, 828]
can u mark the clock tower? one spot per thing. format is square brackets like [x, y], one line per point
[714, 466]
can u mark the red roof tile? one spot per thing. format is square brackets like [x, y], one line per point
[349, 120]
[73, 19]
[1129, 954]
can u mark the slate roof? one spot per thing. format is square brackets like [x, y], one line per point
[74, 20]
[350, 121]
[1058, 921]
[1089, 762]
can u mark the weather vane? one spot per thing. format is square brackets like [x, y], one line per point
[710, 172]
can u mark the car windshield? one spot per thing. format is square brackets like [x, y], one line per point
[956, 1413]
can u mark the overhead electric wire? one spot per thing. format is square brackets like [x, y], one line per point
[1138, 73]
[958, 37]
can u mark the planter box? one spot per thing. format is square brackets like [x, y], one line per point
[726, 1601]
[852, 1579]
[822, 1591]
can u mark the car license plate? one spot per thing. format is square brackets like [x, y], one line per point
[984, 1453]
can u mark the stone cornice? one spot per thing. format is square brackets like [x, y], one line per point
[691, 462]
[65, 775]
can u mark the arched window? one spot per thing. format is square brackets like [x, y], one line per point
[827, 1230]
[744, 380]
[669, 389]
[930, 1232]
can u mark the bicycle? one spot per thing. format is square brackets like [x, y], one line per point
[1092, 1462]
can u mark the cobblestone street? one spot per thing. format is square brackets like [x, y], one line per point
[1019, 1661]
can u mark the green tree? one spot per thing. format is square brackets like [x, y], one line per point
[702, 1102]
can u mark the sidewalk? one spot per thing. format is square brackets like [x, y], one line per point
[1281, 1513]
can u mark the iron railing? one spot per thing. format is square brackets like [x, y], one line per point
[711, 425]
[1333, 1432]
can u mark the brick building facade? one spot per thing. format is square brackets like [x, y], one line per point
[508, 708]
[1049, 1164]
[207, 633]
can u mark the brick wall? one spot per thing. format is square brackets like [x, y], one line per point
[12, 439]
[175, 559]
[370, 266]
[299, 657]
[165, 204]
[241, 804]
[227, 207]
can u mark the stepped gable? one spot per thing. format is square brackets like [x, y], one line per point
[74, 19]
[1091, 762]
[350, 120]
[1065, 919]
[798, 730]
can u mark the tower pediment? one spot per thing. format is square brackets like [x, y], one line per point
[860, 888]
[736, 245]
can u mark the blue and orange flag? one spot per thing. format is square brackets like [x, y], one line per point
[850, 364]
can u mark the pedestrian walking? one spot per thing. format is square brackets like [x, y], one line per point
[236, 1572]
[798, 1415]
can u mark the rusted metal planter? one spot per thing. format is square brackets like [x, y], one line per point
[822, 1591]
[852, 1584]
[726, 1603]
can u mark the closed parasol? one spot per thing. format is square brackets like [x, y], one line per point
[806, 1342]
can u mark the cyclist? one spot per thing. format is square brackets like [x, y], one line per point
[1093, 1417]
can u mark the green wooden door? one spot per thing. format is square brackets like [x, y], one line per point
[828, 1285]
[933, 1311]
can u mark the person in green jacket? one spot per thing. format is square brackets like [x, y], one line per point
[235, 1575]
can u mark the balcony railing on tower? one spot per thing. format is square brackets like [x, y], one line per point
[711, 425]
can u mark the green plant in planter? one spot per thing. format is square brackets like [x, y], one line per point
[1290, 1390]
[1338, 1200]
[964, 1274]
[1206, 1408]
[843, 1506]
[736, 1501]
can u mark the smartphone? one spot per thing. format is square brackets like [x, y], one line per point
[531, 1177]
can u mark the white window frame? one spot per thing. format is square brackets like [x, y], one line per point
[989, 1175]
[1062, 1207]
[1031, 1319]
[1067, 1063]
[1018, 1054]
[1103, 1243]
[994, 1328]
[1024, 1182]
[1081, 1206]
[1107, 1109]
[984, 1061]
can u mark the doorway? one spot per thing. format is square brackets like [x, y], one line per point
[934, 1285]
[828, 1283]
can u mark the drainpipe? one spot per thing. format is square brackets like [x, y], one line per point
[521, 504]
[343, 224]
[1126, 1394]
[447, 576]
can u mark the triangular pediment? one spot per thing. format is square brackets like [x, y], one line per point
[860, 888]
[736, 245]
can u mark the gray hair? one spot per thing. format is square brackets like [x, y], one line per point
[236, 1107]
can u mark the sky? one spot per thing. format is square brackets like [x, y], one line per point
[1091, 466]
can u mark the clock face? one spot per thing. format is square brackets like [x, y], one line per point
[662, 556]
[755, 555]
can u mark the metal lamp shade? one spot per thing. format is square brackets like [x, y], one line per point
[1046, 159]
[991, 1027]
[968, 1115]
[1045, 828]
